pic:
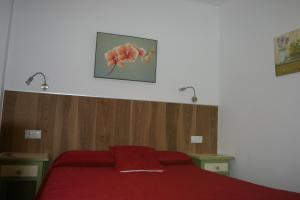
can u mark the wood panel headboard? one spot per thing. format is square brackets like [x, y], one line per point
[90, 123]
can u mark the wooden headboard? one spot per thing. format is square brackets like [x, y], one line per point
[90, 123]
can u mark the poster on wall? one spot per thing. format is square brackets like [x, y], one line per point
[287, 53]
[125, 58]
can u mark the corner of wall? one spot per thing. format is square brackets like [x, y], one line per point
[6, 47]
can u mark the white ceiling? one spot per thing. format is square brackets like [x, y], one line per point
[213, 2]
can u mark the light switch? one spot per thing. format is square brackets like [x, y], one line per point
[33, 134]
[196, 139]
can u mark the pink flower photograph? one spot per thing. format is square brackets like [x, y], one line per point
[125, 58]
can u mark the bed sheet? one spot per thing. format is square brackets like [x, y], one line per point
[178, 182]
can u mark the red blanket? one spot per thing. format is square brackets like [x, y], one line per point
[178, 182]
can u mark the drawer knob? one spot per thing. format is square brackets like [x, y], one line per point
[18, 172]
[217, 167]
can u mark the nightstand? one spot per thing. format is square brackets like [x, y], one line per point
[21, 174]
[213, 162]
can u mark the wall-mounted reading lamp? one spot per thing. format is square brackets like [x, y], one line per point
[44, 85]
[194, 98]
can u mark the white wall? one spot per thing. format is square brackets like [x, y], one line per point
[58, 37]
[5, 15]
[259, 113]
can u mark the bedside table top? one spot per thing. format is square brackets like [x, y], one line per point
[24, 156]
[211, 156]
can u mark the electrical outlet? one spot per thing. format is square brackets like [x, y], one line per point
[33, 134]
[196, 139]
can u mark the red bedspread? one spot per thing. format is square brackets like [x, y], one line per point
[178, 182]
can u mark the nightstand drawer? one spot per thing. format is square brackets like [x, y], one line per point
[216, 167]
[213, 162]
[19, 171]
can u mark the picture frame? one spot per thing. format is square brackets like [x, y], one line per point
[287, 53]
[125, 57]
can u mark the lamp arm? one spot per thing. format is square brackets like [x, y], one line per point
[41, 73]
[191, 88]
[194, 98]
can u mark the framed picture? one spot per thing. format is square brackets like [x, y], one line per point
[125, 57]
[287, 53]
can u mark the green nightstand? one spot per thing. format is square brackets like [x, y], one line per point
[21, 174]
[213, 162]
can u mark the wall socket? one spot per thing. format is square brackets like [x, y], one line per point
[33, 134]
[196, 139]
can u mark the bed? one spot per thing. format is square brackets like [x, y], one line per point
[144, 175]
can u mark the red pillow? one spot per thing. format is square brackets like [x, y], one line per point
[136, 159]
[85, 158]
[173, 157]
